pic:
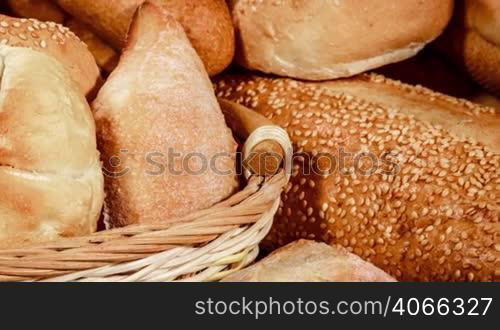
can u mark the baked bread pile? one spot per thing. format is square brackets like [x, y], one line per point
[109, 112]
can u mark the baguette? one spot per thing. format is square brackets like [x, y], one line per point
[309, 261]
[207, 24]
[419, 193]
[43, 10]
[159, 102]
[57, 41]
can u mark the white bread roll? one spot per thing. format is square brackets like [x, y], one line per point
[309, 261]
[404, 177]
[157, 102]
[57, 41]
[51, 184]
[326, 39]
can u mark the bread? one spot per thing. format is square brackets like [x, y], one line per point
[206, 22]
[105, 56]
[473, 41]
[57, 41]
[418, 195]
[309, 261]
[157, 103]
[323, 39]
[43, 10]
[51, 184]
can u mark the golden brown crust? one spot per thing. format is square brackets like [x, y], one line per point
[473, 41]
[320, 39]
[42, 10]
[51, 184]
[57, 41]
[145, 114]
[309, 261]
[429, 211]
[105, 56]
[206, 22]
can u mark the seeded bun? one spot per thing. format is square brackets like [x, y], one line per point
[51, 184]
[145, 114]
[473, 41]
[207, 24]
[420, 194]
[319, 39]
[309, 261]
[57, 41]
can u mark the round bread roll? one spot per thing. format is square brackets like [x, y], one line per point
[43, 10]
[325, 39]
[164, 142]
[57, 41]
[473, 41]
[404, 177]
[309, 261]
[207, 24]
[51, 184]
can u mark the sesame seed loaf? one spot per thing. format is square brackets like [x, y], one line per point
[423, 203]
[57, 41]
[159, 102]
[207, 24]
[327, 39]
[309, 261]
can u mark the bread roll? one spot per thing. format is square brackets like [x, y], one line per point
[325, 39]
[51, 184]
[43, 10]
[57, 41]
[207, 24]
[105, 56]
[473, 41]
[157, 103]
[406, 178]
[309, 261]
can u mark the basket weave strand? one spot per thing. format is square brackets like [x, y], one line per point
[203, 246]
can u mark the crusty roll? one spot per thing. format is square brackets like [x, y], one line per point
[43, 10]
[207, 23]
[309, 261]
[323, 39]
[164, 142]
[105, 56]
[57, 41]
[473, 41]
[51, 184]
[403, 177]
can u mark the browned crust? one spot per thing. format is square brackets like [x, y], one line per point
[436, 219]
[309, 261]
[57, 41]
[43, 10]
[206, 22]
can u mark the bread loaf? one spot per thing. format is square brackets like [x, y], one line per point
[207, 24]
[105, 56]
[157, 103]
[57, 41]
[473, 41]
[309, 261]
[51, 184]
[43, 10]
[406, 178]
[325, 39]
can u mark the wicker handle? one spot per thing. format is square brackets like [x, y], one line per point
[267, 148]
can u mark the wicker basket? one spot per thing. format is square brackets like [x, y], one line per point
[204, 246]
